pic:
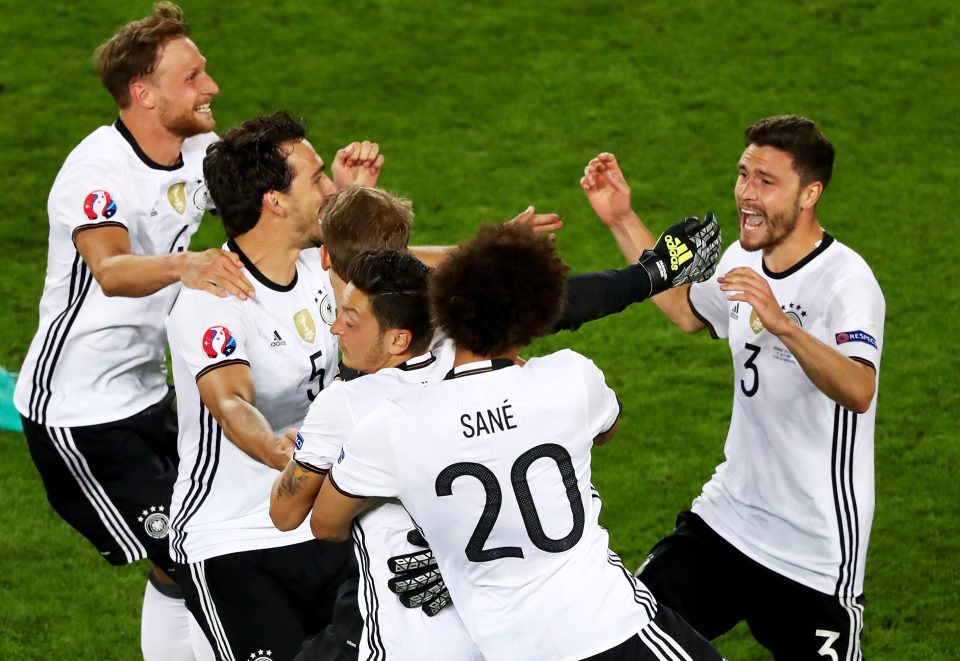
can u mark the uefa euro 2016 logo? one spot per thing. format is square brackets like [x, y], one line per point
[99, 203]
[218, 341]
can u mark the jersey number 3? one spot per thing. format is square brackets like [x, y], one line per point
[528, 509]
[752, 366]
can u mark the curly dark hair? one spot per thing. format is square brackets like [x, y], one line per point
[134, 51]
[500, 290]
[246, 163]
[358, 218]
[812, 153]
[396, 284]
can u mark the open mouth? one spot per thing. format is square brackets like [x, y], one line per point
[203, 108]
[750, 219]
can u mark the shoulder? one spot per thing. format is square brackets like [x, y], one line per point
[100, 155]
[845, 260]
[198, 306]
[195, 147]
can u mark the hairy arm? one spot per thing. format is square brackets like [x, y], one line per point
[106, 250]
[229, 394]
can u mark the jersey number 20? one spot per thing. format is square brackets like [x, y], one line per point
[528, 509]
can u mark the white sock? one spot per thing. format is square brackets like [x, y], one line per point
[164, 627]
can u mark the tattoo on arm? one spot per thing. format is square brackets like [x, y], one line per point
[291, 480]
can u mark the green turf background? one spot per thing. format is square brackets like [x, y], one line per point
[482, 109]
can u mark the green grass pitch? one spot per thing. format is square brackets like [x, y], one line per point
[483, 109]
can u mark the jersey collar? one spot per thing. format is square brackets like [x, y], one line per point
[479, 367]
[149, 162]
[417, 362]
[255, 272]
[824, 244]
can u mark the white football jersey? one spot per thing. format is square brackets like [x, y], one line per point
[390, 630]
[221, 500]
[95, 360]
[796, 491]
[493, 464]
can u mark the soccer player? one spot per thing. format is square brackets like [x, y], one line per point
[245, 371]
[493, 463]
[778, 536]
[96, 409]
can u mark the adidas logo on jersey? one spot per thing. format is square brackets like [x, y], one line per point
[679, 252]
[277, 340]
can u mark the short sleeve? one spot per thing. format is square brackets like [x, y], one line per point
[709, 303]
[207, 332]
[603, 409]
[328, 423]
[855, 311]
[366, 466]
[89, 196]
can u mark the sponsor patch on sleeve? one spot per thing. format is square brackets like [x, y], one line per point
[99, 204]
[856, 336]
[343, 455]
[217, 341]
[298, 444]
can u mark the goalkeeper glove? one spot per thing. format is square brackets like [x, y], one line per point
[418, 582]
[685, 252]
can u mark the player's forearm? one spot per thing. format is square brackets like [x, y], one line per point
[632, 237]
[292, 496]
[135, 276]
[246, 428]
[849, 383]
[432, 256]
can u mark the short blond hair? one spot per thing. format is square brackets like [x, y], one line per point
[134, 51]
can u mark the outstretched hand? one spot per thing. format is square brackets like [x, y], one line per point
[357, 164]
[686, 252]
[606, 189]
[539, 222]
[216, 271]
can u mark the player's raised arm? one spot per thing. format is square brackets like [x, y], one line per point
[357, 164]
[106, 251]
[229, 394]
[608, 192]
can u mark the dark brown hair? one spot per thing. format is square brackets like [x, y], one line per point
[798, 136]
[134, 51]
[500, 290]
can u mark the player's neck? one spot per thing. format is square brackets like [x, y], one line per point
[270, 253]
[465, 356]
[159, 145]
[794, 248]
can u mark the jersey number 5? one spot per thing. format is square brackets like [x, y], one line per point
[752, 366]
[528, 509]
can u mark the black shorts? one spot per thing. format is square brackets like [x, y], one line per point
[713, 586]
[113, 481]
[268, 599]
[666, 637]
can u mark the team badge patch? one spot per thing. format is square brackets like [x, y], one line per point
[755, 324]
[261, 655]
[856, 336]
[217, 341]
[155, 521]
[200, 196]
[795, 313]
[99, 204]
[327, 312]
[177, 195]
[305, 326]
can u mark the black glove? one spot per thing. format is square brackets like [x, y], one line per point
[685, 252]
[418, 582]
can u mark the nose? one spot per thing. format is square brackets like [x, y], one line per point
[336, 328]
[327, 187]
[212, 88]
[745, 189]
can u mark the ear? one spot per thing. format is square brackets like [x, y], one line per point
[142, 95]
[811, 195]
[324, 257]
[272, 201]
[399, 341]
